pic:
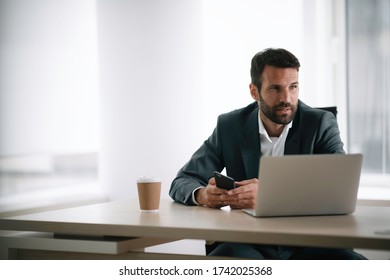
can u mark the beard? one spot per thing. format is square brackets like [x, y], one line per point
[272, 112]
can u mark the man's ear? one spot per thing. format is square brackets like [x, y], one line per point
[254, 91]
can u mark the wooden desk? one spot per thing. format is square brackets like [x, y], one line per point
[119, 230]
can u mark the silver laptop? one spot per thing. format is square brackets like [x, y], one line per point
[301, 185]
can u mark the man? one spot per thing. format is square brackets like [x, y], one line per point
[276, 124]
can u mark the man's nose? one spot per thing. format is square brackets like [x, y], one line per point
[285, 95]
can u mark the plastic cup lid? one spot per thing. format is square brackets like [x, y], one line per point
[148, 180]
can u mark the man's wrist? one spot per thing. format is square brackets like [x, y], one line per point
[196, 197]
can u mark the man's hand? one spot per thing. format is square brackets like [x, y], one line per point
[211, 195]
[243, 196]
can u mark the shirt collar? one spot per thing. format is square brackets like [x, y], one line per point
[264, 132]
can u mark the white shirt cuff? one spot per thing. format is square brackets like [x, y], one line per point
[193, 195]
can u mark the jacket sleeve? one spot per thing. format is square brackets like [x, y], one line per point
[328, 139]
[198, 170]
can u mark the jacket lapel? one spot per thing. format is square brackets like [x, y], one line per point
[250, 146]
[292, 146]
[293, 141]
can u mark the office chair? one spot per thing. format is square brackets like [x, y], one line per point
[332, 109]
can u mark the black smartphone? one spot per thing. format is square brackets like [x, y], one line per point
[223, 181]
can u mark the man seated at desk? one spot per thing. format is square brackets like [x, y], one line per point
[277, 123]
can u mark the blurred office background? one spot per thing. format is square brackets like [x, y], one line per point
[95, 93]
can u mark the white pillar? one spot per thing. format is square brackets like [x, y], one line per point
[150, 71]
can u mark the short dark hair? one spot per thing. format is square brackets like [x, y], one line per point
[273, 57]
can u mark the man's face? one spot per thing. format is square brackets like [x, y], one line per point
[278, 97]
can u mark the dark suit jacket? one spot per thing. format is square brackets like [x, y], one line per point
[235, 144]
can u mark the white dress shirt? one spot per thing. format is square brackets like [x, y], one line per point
[272, 146]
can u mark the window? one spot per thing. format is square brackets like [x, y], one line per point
[368, 64]
[49, 104]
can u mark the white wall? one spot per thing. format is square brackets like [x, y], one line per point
[233, 32]
[168, 68]
[150, 73]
